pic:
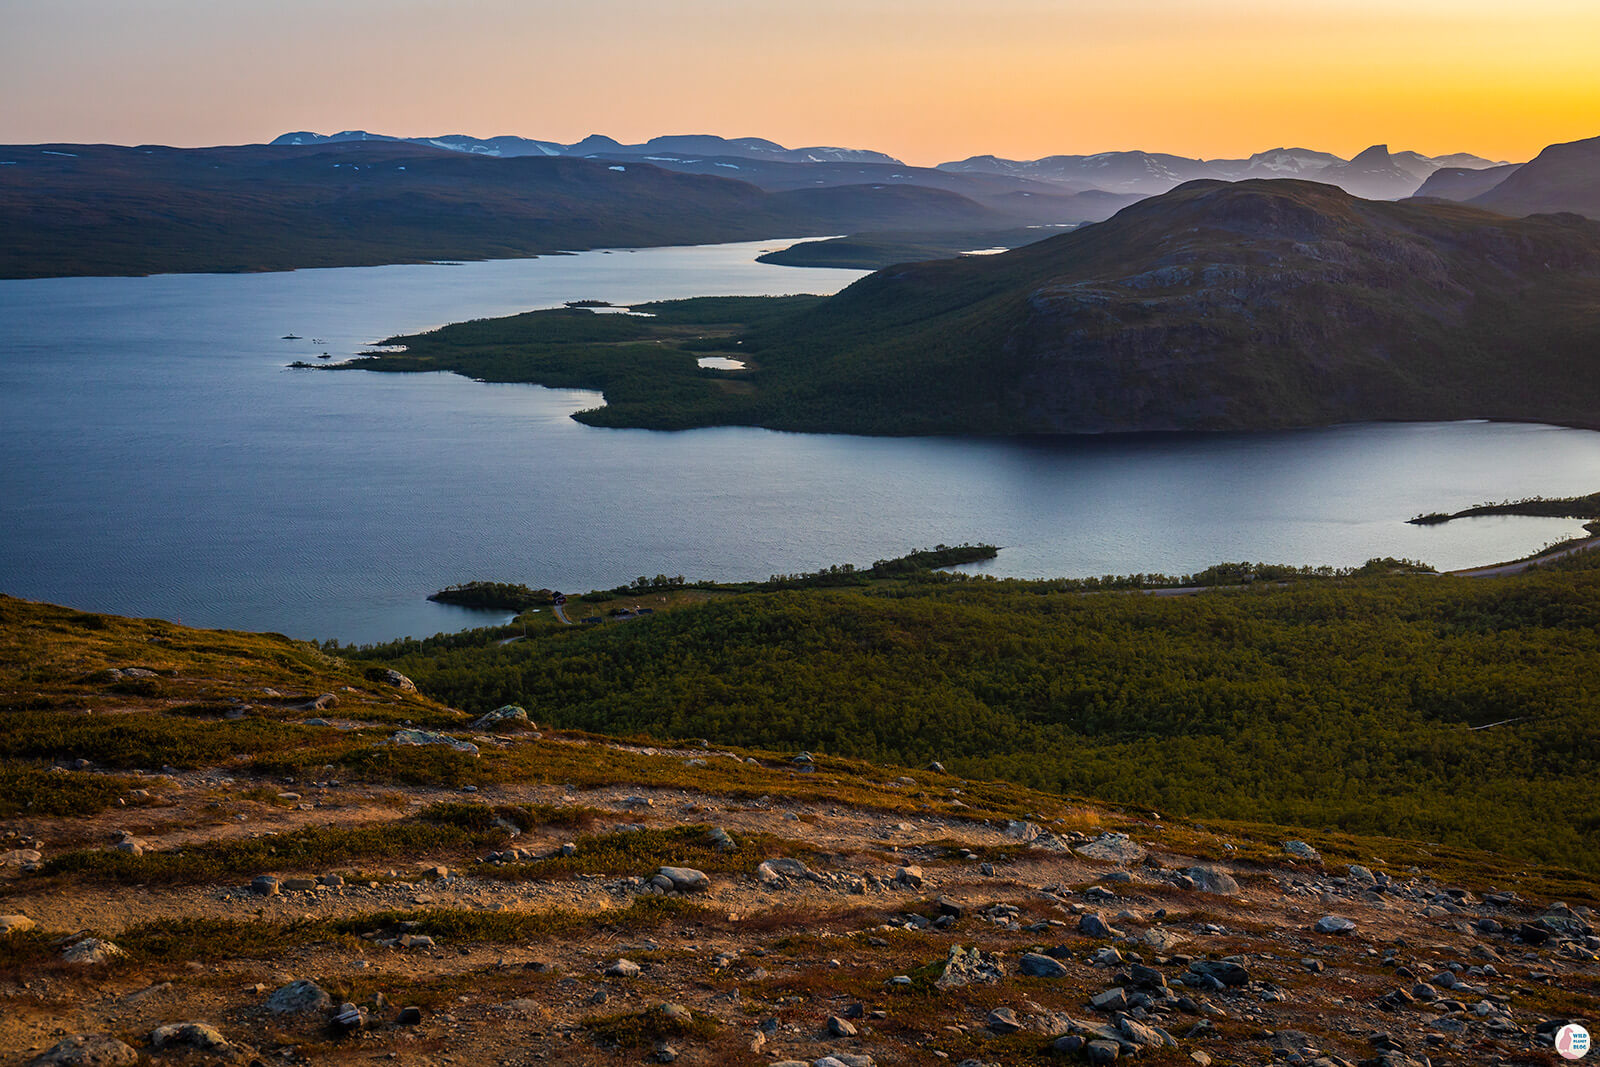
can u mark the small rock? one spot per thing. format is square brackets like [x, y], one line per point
[394, 678]
[349, 1017]
[685, 879]
[1110, 1000]
[189, 1035]
[299, 997]
[721, 840]
[1213, 880]
[908, 877]
[967, 966]
[623, 968]
[1224, 971]
[1035, 965]
[91, 950]
[1302, 851]
[1333, 924]
[1003, 1021]
[86, 1050]
[1092, 925]
[17, 924]
[499, 716]
[1361, 875]
[298, 885]
[1102, 1052]
[838, 1027]
[410, 1015]
[1116, 848]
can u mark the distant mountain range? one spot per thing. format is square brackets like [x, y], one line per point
[360, 198]
[98, 209]
[1374, 174]
[598, 145]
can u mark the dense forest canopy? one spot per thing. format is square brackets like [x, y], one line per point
[1444, 709]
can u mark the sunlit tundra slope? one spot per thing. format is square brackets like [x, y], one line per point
[220, 847]
[1246, 306]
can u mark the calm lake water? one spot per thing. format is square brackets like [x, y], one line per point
[157, 458]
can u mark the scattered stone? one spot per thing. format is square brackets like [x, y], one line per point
[90, 951]
[936, 767]
[394, 678]
[838, 1027]
[428, 737]
[410, 1015]
[1334, 924]
[1225, 971]
[201, 1036]
[15, 924]
[499, 717]
[1102, 1052]
[1092, 925]
[1361, 875]
[86, 1050]
[1114, 848]
[1302, 851]
[298, 885]
[1110, 1000]
[1213, 880]
[685, 879]
[908, 877]
[776, 870]
[623, 968]
[721, 840]
[1145, 1036]
[968, 966]
[1035, 965]
[299, 997]
[1003, 1021]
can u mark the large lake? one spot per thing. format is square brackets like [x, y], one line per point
[157, 458]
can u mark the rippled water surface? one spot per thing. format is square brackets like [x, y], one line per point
[159, 459]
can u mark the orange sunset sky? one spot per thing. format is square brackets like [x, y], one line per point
[927, 81]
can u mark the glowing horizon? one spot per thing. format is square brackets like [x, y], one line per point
[927, 82]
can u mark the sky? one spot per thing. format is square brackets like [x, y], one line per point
[924, 80]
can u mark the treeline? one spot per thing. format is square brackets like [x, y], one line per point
[1355, 702]
[494, 596]
[1564, 507]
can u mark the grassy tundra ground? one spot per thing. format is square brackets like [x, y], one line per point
[494, 890]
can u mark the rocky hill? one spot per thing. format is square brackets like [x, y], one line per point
[1564, 177]
[1218, 306]
[233, 848]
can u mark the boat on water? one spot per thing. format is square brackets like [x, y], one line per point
[291, 337]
